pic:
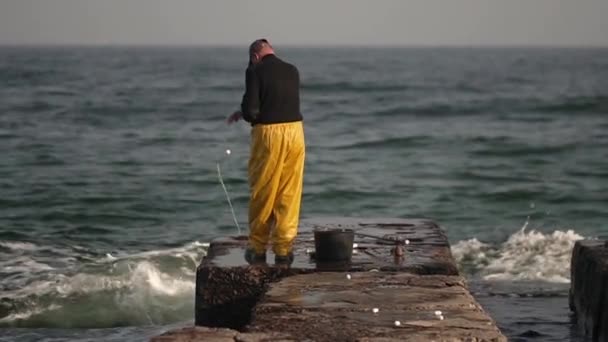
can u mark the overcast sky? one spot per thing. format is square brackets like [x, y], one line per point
[344, 22]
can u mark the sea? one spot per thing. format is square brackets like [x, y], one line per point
[110, 193]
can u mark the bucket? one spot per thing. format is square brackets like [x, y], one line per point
[334, 245]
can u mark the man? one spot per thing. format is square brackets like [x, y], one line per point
[271, 104]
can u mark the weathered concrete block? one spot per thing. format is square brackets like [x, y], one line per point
[227, 288]
[589, 288]
[331, 307]
[190, 334]
[196, 334]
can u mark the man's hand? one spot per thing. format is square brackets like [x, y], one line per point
[234, 117]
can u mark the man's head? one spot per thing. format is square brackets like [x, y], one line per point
[258, 49]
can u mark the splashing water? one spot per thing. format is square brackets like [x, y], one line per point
[147, 288]
[526, 255]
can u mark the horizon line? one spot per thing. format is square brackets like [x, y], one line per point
[305, 45]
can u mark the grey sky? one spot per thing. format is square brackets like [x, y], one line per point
[360, 22]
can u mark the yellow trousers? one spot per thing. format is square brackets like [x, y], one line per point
[276, 169]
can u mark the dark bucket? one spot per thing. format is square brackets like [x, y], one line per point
[334, 245]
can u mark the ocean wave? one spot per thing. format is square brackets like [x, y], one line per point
[599, 173]
[58, 92]
[513, 193]
[236, 87]
[20, 246]
[28, 74]
[579, 104]
[341, 195]
[344, 86]
[402, 142]
[525, 256]
[8, 135]
[481, 175]
[513, 149]
[437, 109]
[34, 107]
[152, 287]
[484, 139]
[530, 110]
[74, 216]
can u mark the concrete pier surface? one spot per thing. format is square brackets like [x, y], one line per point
[378, 296]
[589, 288]
[368, 306]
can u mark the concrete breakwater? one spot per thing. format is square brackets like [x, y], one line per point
[589, 288]
[378, 295]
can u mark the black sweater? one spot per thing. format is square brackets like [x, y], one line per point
[272, 93]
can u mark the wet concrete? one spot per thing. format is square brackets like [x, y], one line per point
[428, 251]
[331, 307]
[196, 334]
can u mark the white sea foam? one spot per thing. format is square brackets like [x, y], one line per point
[526, 255]
[24, 264]
[190, 251]
[148, 277]
[18, 246]
[27, 314]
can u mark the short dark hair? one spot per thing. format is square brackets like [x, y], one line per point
[258, 45]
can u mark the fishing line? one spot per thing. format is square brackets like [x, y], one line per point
[219, 176]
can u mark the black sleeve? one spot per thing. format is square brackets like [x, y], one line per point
[250, 106]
